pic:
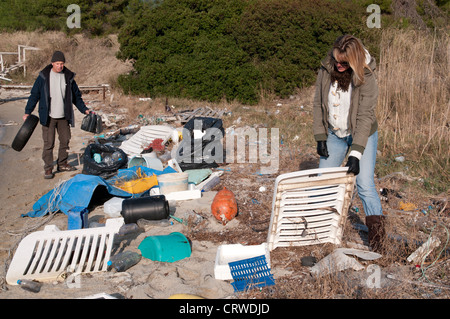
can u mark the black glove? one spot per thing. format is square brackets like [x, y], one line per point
[353, 165]
[322, 149]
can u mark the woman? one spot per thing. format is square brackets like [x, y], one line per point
[344, 120]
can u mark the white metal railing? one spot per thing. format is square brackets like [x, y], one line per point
[21, 59]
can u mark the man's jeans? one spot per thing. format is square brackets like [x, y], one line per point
[49, 135]
[337, 150]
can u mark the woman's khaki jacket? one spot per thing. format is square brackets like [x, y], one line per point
[362, 119]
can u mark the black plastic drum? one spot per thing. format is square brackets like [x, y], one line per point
[147, 207]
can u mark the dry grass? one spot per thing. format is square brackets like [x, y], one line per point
[414, 101]
[93, 60]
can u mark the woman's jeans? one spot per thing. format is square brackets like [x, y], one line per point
[365, 183]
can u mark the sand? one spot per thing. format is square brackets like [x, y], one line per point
[23, 183]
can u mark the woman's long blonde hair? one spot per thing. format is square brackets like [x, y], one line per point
[349, 48]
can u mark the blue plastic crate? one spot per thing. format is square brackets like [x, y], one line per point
[251, 273]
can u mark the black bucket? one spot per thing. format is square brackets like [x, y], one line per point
[147, 207]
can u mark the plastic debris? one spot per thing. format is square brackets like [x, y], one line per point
[210, 182]
[166, 248]
[308, 261]
[338, 261]
[124, 260]
[419, 256]
[129, 229]
[235, 252]
[251, 273]
[385, 192]
[407, 206]
[38, 258]
[30, 285]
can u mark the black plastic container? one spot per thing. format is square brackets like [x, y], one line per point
[147, 207]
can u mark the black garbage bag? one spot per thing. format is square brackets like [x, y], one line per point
[103, 160]
[92, 123]
[205, 124]
[204, 152]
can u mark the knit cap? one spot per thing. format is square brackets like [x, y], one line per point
[58, 56]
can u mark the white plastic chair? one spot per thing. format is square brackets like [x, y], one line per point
[310, 207]
[45, 255]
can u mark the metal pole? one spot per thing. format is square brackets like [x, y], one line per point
[24, 66]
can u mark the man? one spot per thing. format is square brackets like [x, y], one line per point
[56, 91]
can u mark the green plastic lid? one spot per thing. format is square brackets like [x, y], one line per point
[166, 248]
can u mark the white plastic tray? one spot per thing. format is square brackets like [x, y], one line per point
[45, 255]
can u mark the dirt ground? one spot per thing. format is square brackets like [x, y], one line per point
[22, 184]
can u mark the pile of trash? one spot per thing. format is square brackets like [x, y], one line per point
[147, 172]
[143, 169]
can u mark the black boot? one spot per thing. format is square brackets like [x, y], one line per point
[377, 233]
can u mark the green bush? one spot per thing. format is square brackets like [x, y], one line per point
[286, 39]
[97, 18]
[186, 48]
[210, 50]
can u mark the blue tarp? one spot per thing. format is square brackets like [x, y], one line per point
[78, 191]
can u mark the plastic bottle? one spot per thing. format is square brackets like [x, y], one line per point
[129, 229]
[116, 156]
[124, 260]
[108, 160]
[30, 285]
[147, 224]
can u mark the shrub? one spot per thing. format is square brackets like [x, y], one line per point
[210, 50]
[287, 38]
[97, 18]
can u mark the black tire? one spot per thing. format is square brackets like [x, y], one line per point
[25, 132]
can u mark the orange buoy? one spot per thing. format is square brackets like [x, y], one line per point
[224, 206]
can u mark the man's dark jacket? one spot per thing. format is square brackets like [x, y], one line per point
[41, 92]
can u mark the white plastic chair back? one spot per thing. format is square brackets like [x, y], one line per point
[45, 255]
[310, 207]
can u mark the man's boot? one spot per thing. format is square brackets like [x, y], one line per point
[377, 233]
[48, 174]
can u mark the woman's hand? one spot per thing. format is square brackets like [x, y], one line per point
[353, 165]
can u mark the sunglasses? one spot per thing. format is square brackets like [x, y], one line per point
[344, 64]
